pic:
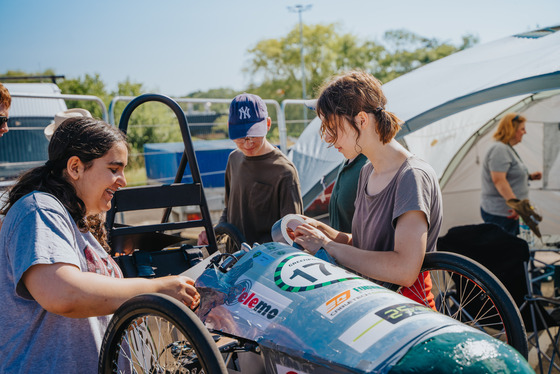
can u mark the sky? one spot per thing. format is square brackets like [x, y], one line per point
[176, 47]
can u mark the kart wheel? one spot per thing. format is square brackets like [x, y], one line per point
[155, 333]
[228, 237]
[468, 292]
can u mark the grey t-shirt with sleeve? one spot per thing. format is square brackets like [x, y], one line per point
[502, 158]
[39, 230]
[260, 190]
[414, 187]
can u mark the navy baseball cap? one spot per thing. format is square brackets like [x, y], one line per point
[248, 116]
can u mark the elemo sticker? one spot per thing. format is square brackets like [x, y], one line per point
[256, 302]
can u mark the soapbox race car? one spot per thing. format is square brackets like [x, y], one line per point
[276, 309]
[290, 312]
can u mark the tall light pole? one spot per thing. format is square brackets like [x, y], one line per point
[300, 9]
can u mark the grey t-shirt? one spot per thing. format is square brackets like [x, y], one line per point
[502, 158]
[39, 230]
[414, 187]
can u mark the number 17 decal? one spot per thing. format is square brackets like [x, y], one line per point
[302, 272]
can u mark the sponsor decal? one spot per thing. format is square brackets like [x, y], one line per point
[395, 314]
[275, 248]
[343, 300]
[381, 322]
[302, 272]
[261, 258]
[286, 370]
[256, 302]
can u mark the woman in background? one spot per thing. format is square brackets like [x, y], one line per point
[504, 175]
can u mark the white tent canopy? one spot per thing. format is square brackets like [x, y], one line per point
[508, 67]
[317, 164]
[456, 147]
[449, 105]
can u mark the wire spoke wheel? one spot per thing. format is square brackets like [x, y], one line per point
[468, 292]
[155, 333]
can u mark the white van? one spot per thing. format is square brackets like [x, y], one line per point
[25, 145]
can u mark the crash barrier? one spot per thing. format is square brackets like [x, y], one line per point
[280, 110]
[307, 114]
[274, 103]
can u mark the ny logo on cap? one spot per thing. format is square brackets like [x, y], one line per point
[244, 113]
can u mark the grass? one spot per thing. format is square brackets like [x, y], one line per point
[136, 176]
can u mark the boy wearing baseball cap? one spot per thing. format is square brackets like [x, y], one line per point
[261, 184]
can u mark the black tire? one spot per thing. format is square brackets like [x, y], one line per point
[182, 341]
[466, 291]
[228, 237]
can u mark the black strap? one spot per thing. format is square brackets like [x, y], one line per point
[520, 160]
[514, 151]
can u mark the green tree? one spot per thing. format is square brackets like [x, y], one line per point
[88, 85]
[275, 64]
[406, 51]
[45, 76]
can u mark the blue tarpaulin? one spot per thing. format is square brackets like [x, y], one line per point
[162, 161]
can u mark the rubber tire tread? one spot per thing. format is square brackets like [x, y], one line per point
[226, 228]
[173, 311]
[485, 279]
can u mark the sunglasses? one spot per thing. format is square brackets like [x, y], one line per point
[3, 120]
